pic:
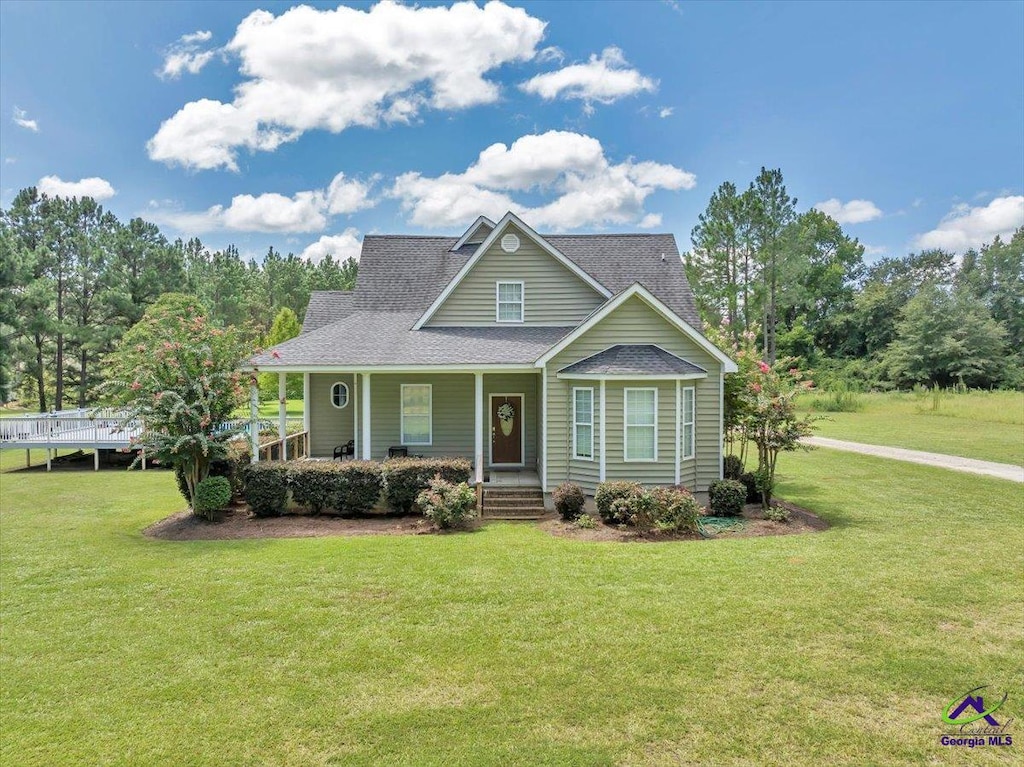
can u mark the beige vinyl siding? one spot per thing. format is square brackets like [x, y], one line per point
[553, 295]
[635, 322]
[328, 425]
[452, 412]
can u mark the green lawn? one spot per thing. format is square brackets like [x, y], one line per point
[985, 425]
[508, 646]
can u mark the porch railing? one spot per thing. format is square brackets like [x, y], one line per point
[294, 445]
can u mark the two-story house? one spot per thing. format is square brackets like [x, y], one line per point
[572, 356]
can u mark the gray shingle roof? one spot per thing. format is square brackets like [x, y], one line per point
[387, 338]
[633, 359]
[325, 307]
[406, 273]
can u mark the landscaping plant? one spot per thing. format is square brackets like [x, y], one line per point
[405, 478]
[212, 495]
[266, 488]
[569, 500]
[447, 504]
[727, 497]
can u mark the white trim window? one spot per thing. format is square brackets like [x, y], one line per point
[508, 301]
[416, 418]
[640, 438]
[689, 400]
[339, 395]
[583, 423]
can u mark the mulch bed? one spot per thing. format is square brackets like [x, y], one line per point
[800, 521]
[238, 523]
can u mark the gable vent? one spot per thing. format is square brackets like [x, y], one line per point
[510, 243]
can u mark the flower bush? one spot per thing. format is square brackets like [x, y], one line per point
[405, 478]
[569, 500]
[612, 500]
[447, 504]
[675, 510]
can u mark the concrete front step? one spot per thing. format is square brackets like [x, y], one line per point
[513, 512]
[517, 502]
[532, 494]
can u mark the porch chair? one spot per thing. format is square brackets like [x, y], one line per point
[348, 450]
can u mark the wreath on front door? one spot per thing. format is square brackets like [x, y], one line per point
[506, 417]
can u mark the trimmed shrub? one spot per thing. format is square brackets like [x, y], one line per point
[569, 500]
[675, 510]
[212, 495]
[405, 478]
[266, 488]
[732, 467]
[777, 513]
[727, 497]
[349, 488]
[613, 501]
[749, 481]
[447, 504]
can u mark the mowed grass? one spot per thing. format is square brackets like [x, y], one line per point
[508, 646]
[977, 424]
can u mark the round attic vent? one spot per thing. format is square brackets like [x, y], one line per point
[510, 243]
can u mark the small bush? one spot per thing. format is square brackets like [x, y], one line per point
[777, 513]
[585, 522]
[313, 483]
[727, 497]
[675, 510]
[359, 488]
[614, 502]
[569, 500]
[266, 488]
[231, 466]
[212, 495]
[732, 467]
[749, 481]
[406, 478]
[447, 504]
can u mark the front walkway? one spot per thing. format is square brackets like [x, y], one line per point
[525, 478]
[954, 462]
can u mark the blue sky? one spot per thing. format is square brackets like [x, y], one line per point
[268, 124]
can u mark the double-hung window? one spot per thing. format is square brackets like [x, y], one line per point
[415, 416]
[688, 422]
[583, 423]
[641, 420]
[509, 301]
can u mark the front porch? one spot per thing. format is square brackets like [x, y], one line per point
[491, 417]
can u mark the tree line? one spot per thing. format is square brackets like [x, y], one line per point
[800, 283]
[74, 279]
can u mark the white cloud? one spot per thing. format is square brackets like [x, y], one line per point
[587, 189]
[22, 120]
[306, 211]
[874, 250]
[187, 54]
[604, 79]
[95, 187]
[965, 227]
[650, 221]
[309, 69]
[852, 212]
[342, 246]
[666, 112]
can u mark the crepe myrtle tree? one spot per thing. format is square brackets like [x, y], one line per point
[770, 419]
[183, 394]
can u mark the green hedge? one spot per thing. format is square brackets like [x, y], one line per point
[212, 495]
[406, 478]
[266, 488]
[727, 497]
[613, 501]
[348, 488]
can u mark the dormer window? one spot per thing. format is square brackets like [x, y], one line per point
[509, 302]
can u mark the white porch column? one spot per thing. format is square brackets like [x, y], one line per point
[305, 403]
[544, 429]
[254, 421]
[96, 459]
[282, 413]
[357, 440]
[677, 453]
[478, 421]
[602, 462]
[367, 447]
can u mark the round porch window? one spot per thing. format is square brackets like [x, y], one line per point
[339, 394]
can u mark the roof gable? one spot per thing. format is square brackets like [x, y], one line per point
[476, 233]
[509, 220]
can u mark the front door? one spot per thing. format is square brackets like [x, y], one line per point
[506, 428]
